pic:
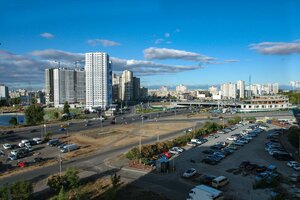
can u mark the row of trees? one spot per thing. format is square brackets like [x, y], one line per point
[148, 151]
[35, 114]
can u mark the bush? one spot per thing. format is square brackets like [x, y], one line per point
[21, 190]
[293, 135]
[71, 177]
[13, 121]
[133, 154]
[56, 183]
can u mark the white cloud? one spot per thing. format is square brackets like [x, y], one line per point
[103, 42]
[159, 41]
[53, 54]
[277, 48]
[231, 61]
[139, 67]
[20, 71]
[167, 35]
[153, 53]
[47, 35]
[143, 68]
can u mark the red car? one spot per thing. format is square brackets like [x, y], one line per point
[22, 164]
[167, 154]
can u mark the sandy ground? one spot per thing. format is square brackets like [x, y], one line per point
[119, 135]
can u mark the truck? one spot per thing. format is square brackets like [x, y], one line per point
[203, 192]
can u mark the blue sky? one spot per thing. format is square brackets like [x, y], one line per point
[164, 42]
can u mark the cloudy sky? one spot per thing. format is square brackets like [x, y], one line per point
[166, 42]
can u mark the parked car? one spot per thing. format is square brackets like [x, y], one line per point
[296, 167]
[68, 148]
[197, 141]
[22, 164]
[209, 161]
[53, 142]
[261, 176]
[189, 173]
[238, 143]
[208, 151]
[6, 146]
[232, 138]
[12, 156]
[37, 140]
[192, 144]
[292, 163]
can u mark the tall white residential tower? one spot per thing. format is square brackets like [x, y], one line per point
[98, 80]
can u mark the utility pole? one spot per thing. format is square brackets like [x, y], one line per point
[60, 164]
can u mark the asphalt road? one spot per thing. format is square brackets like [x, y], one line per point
[98, 158]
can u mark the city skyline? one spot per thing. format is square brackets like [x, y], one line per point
[203, 45]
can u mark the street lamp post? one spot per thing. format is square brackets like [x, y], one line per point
[45, 129]
[157, 130]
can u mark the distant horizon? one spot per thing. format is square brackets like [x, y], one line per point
[162, 42]
[170, 87]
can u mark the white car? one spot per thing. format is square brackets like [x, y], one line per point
[196, 141]
[179, 149]
[189, 173]
[14, 152]
[292, 163]
[37, 140]
[7, 146]
[173, 151]
[24, 141]
[21, 144]
[192, 144]
[231, 138]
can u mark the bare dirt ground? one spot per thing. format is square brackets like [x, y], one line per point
[119, 135]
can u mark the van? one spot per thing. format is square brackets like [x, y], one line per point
[219, 182]
[68, 148]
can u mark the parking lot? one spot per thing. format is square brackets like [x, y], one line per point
[240, 185]
[39, 154]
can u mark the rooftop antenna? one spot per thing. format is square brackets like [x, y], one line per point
[58, 62]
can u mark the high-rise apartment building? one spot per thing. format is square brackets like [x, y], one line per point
[68, 85]
[49, 88]
[126, 86]
[229, 90]
[98, 80]
[115, 87]
[241, 89]
[4, 94]
[136, 88]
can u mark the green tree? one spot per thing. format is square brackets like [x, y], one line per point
[48, 136]
[15, 101]
[13, 121]
[293, 135]
[34, 115]
[66, 108]
[56, 115]
[21, 190]
[71, 178]
[62, 194]
[56, 183]
[4, 192]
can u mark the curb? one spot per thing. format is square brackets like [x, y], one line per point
[123, 168]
